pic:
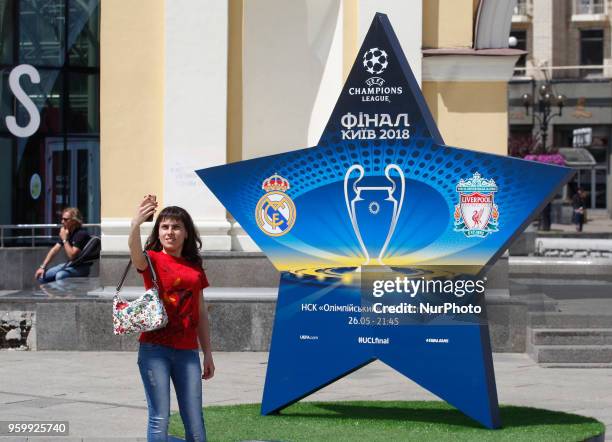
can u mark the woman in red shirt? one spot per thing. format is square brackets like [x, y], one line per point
[172, 352]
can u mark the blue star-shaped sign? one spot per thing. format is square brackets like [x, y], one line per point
[380, 188]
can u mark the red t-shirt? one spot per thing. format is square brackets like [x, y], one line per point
[180, 282]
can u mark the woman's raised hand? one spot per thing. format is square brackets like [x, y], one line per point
[145, 210]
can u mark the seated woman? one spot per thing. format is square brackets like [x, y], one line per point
[72, 239]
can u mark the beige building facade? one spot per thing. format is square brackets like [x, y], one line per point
[187, 85]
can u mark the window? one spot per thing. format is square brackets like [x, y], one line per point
[6, 31]
[589, 7]
[593, 181]
[523, 7]
[591, 50]
[58, 164]
[521, 43]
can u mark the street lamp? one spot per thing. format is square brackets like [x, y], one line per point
[542, 108]
[543, 114]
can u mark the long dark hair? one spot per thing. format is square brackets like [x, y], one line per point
[192, 244]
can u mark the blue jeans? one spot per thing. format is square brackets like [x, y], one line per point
[158, 364]
[60, 271]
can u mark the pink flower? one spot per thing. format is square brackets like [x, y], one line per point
[552, 158]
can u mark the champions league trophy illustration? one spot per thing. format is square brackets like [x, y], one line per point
[374, 211]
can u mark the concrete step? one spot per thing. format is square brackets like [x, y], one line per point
[577, 365]
[223, 269]
[569, 320]
[211, 294]
[542, 306]
[545, 245]
[549, 354]
[560, 336]
[564, 267]
[538, 302]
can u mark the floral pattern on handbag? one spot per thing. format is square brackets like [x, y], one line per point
[146, 313]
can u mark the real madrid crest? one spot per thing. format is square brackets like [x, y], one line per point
[275, 211]
[476, 215]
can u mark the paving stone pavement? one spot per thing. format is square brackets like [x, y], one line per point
[100, 394]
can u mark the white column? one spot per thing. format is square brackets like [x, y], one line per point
[406, 17]
[195, 111]
[292, 64]
[542, 25]
[292, 72]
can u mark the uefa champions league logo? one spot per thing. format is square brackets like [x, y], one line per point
[476, 215]
[375, 61]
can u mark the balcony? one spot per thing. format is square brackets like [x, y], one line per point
[523, 11]
[590, 11]
[578, 72]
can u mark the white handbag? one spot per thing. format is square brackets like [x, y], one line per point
[146, 313]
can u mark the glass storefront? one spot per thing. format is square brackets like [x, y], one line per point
[588, 106]
[592, 180]
[50, 109]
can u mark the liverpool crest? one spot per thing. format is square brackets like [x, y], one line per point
[476, 215]
[275, 211]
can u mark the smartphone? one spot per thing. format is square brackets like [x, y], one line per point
[153, 199]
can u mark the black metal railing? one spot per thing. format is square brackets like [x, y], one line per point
[32, 235]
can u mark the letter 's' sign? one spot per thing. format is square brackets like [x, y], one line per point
[15, 86]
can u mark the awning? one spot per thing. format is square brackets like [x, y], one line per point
[577, 157]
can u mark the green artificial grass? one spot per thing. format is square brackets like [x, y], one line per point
[387, 421]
